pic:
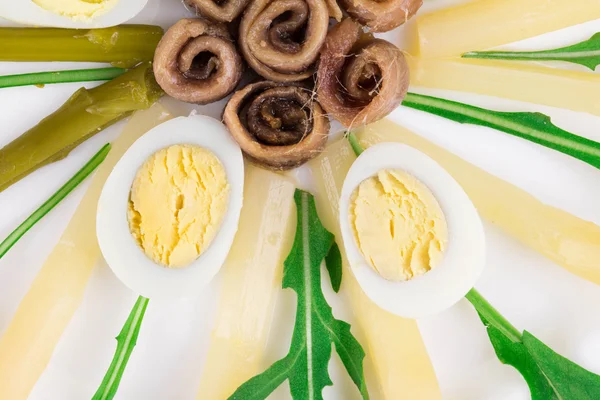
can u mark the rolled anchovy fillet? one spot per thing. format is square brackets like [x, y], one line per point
[197, 62]
[360, 79]
[220, 11]
[281, 39]
[278, 126]
[381, 16]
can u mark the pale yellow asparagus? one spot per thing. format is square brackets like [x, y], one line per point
[483, 24]
[397, 365]
[57, 290]
[572, 90]
[252, 278]
[565, 239]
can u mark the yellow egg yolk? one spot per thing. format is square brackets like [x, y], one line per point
[77, 9]
[177, 203]
[398, 225]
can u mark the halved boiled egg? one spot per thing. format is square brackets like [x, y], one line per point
[412, 236]
[71, 13]
[169, 210]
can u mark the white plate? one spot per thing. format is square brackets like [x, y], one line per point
[529, 290]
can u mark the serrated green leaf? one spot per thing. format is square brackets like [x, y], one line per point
[535, 127]
[586, 53]
[264, 384]
[549, 375]
[315, 330]
[569, 380]
[126, 341]
[515, 354]
[351, 354]
[333, 261]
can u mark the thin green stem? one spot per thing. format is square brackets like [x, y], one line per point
[53, 201]
[356, 147]
[586, 53]
[518, 55]
[45, 78]
[535, 127]
[126, 341]
[492, 315]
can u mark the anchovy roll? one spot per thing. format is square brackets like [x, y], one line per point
[196, 61]
[221, 11]
[382, 15]
[360, 79]
[281, 39]
[279, 126]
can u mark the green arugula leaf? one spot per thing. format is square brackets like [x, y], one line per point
[126, 341]
[315, 328]
[54, 200]
[586, 53]
[333, 261]
[569, 380]
[549, 375]
[516, 355]
[535, 127]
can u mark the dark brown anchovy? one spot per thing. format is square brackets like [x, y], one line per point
[196, 61]
[381, 16]
[360, 79]
[281, 39]
[278, 126]
[220, 11]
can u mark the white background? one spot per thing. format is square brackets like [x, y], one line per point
[532, 292]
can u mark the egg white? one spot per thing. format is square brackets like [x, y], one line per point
[464, 258]
[28, 13]
[119, 248]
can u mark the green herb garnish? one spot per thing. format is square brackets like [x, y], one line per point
[45, 78]
[123, 46]
[334, 265]
[126, 341]
[548, 374]
[535, 127]
[356, 147]
[586, 53]
[53, 201]
[305, 366]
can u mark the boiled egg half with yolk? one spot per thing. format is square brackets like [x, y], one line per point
[169, 210]
[71, 13]
[412, 236]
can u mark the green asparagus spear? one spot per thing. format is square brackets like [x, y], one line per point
[86, 113]
[123, 46]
